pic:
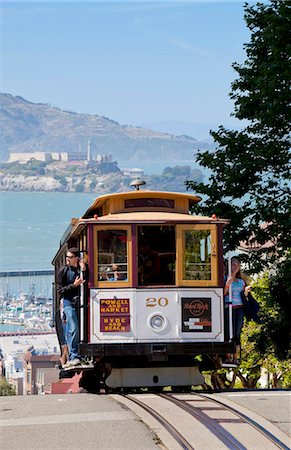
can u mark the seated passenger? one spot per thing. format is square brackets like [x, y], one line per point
[103, 275]
[113, 273]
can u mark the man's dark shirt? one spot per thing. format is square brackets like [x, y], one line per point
[65, 286]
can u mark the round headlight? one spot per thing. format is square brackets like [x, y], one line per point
[157, 322]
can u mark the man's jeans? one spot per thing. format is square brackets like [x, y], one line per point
[72, 334]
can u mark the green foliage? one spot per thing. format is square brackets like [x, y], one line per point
[62, 179]
[268, 344]
[250, 180]
[177, 171]
[92, 185]
[107, 167]
[79, 187]
[280, 292]
[70, 169]
[31, 168]
[250, 185]
[41, 171]
[196, 267]
[6, 388]
[183, 171]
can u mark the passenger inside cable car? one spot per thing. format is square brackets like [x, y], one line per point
[112, 255]
[114, 274]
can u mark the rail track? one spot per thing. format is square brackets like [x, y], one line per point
[197, 422]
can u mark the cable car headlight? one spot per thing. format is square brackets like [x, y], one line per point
[157, 322]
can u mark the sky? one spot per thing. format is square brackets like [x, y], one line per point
[134, 62]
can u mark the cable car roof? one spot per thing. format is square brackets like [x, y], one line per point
[115, 203]
[154, 217]
[170, 208]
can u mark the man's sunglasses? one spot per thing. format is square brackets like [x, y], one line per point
[70, 256]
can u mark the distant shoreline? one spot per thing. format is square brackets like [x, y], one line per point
[22, 333]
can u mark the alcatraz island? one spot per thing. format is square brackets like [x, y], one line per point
[81, 172]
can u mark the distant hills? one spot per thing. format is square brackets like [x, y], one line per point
[31, 127]
[198, 130]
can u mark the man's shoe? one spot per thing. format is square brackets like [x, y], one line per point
[85, 361]
[67, 365]
[87, 364]
[75, 362]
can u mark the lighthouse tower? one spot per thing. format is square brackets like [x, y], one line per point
[89, 158]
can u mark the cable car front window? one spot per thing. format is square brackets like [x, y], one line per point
[197, 255]
[112, 255]
[156, 255]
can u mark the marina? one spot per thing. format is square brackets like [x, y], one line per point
[25, 302]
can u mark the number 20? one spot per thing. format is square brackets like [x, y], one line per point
[152, 301]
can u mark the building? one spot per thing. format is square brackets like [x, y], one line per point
[14, 352]
[45, 378]
[25, 157]
[38, 373]
[76, 155]
[133, 173]
[41, 376]
[16, 381]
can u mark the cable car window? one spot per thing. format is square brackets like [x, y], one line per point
[112, 255]
[197, 255]
[149, 202]
[156, 255]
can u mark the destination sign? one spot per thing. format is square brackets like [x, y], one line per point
[114, 315]
[114, 306]
[113, 324]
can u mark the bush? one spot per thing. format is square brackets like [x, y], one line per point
[79, 188]
[6, 388]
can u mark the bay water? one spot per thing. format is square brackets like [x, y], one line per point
[31, 225]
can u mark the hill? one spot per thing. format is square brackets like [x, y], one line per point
[29, 127]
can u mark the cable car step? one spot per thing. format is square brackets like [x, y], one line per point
[229, 364]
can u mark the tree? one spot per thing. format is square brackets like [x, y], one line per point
[268, 344]
[6, 388]
[250, 180]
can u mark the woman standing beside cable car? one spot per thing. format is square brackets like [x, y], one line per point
[238, 287]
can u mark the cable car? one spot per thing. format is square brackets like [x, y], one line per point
[151, 312]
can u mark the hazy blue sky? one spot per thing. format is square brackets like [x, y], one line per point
[134, 62]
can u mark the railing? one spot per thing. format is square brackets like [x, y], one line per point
[26, 273]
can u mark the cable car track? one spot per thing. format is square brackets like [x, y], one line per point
[250, 421]
[210, 424]
[202, 415]
[166, 424]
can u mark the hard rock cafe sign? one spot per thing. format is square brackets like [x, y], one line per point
[196, 315]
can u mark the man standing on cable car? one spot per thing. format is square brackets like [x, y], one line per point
[69, 281]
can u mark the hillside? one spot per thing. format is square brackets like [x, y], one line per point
[28, 127]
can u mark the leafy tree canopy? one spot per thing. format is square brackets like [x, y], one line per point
[250, 180]
[268, 344]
